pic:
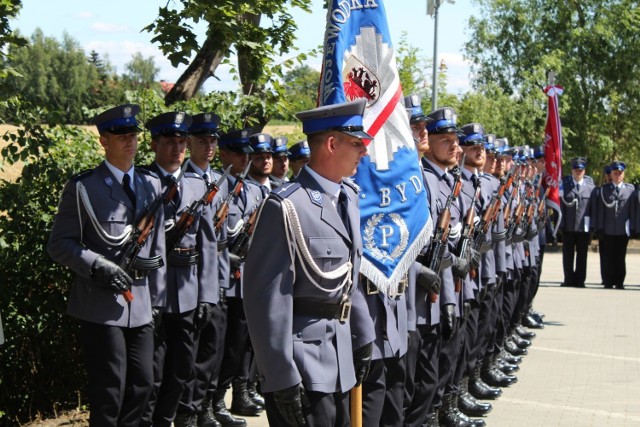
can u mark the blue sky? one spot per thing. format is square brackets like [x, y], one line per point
[113, 28]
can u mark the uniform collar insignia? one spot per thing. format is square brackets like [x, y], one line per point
[108, 181]
[316, 197]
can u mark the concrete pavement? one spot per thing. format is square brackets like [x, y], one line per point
[583, 368]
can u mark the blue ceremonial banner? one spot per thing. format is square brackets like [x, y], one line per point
[359, 62]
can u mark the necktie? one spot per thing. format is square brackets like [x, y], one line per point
[206, 178]
[176, 197]
[617, 190]
[578, 187]
[343, 209]
[475, 181]
[447, 179]
[126, 186]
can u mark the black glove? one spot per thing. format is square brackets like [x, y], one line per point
[448, 321]
[156, 313]
[460, 267]
[289, 403]
[110, 275]
[204, 312]
[466, 310]
[428, 279]
[362, 362]
[474, 258]
[235, 261]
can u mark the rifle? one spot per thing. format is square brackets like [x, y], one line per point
[491, 213]
[466, 239]
[223, 210]
[241, 244]
[177, 232]
[441, 234]
[143, 229]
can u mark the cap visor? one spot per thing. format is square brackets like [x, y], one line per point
[358, 134]
[124, 130]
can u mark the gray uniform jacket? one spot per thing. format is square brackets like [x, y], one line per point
[76, 242]
[299, 348]
[221, 235]
[497, 229]
[575, 204]
[187, 285]
[439, 192]
[487, 259]
[471, 286]
[389, 316]
[240, 209]
[615, 208]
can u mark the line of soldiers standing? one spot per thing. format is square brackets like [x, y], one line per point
[167, 334]
[610, 211]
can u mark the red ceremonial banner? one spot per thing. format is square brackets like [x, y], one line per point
[553, 151]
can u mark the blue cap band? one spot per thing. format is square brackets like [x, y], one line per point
[323, 124]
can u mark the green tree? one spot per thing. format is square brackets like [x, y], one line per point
[141, 73]
[9, 9]
[301, 89]
[413, 69]
[53, 74]
[234, 29]
[591, 45]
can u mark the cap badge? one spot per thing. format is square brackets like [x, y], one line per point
[179, 118]
[126, 112]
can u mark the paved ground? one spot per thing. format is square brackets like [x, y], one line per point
[584, 367]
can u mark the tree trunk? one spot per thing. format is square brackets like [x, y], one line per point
[199, 70]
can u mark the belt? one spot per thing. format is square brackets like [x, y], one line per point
[372, 289]
[517, 238]
[322, 310]
[142, 266]
[222, 245]
[500, 236]
[531, 233]
[446, 262]
[183, 257]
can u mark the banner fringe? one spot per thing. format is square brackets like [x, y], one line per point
[389, 285]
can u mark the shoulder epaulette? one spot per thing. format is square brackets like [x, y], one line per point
[143, 170]
[77, 177]
[285, 190]
[192, 175]
[351, 183]
[587, 178]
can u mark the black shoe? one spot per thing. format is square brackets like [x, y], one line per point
[524, 333]
[450, 415]
[481, 390]
[619, 286]
[519, 341]
[510, 358]
[186, 420]
[580, 285]
[505, 367]
[432, 420]
[222, 414]
[512, 348]
[469, 405]
[493, 376]
[241, 404]
[206, 417]
[608, 286]
[529, 321]
[254, 395]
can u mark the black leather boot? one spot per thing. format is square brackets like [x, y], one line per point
[185, 420]
[509, 358]
[241, 404]
[518, 340]
[432, 420]
[206, 417]
[449, 415]
[525, 333]
[512, 348]
[493, 376]
[505, 366]
[468, 404]
[481, 390]
[222, 414]
[531, 322]
[252, 389]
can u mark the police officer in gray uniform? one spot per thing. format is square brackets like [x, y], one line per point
[96, 212]
[196, 398]
[615, 213]
[308, 320]
[280, 161]
[234, 151]
[191, 264]
[575, 222]
[298, 157]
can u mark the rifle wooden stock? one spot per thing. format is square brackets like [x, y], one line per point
[355, 400]
[223, 210]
